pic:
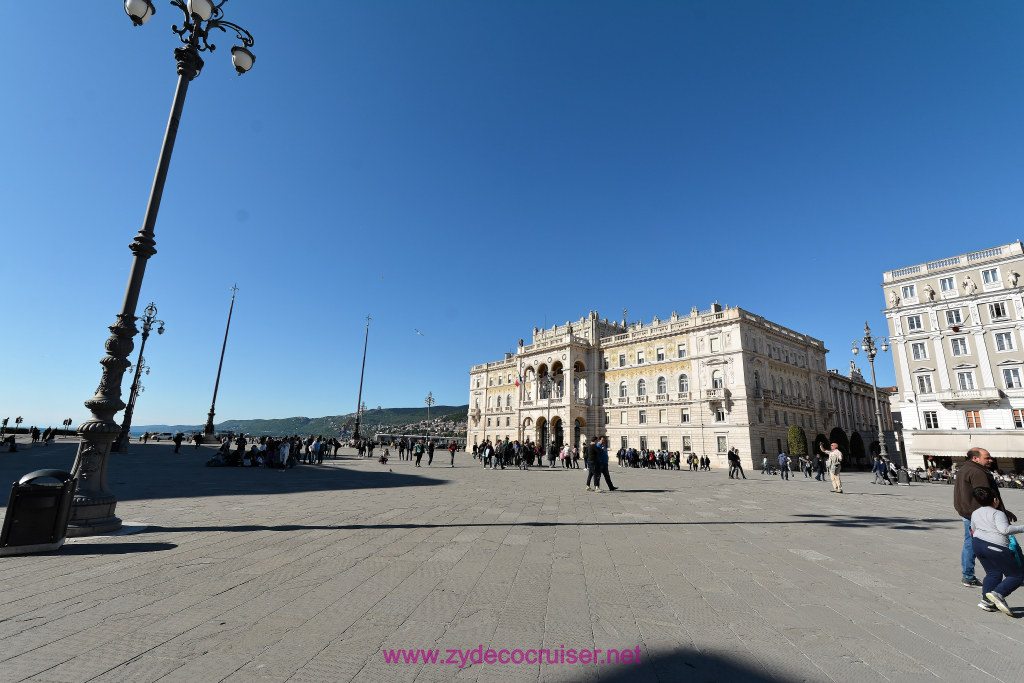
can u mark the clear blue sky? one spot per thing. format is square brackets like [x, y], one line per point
[473, 169]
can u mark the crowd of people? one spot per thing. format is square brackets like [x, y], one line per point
[268, 451]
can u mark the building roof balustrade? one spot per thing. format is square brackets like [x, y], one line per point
[954, 262]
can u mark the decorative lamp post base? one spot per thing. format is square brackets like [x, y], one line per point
[92, 515]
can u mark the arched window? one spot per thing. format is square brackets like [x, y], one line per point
[478, 404]
[488, 403]
[623, 391]
[684, 382]
[757, 380]
[499, 402]
[716, 380]
[662, 385]
[773, 383]
[508, 400]
[607, 390]
[641, 388]
[790, 387]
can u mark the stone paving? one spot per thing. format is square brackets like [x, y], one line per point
[242, 574]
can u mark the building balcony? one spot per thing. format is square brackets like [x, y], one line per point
[661, 397]
[987, 396]
[684, 396]
[580, 401]
[641, 399]
[527, 404]
[622, 400]
[714, 394]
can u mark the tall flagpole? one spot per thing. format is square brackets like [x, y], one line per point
[208, 429]
[359, 401]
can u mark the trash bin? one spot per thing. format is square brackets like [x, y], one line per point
[904, 478]
[37, 513]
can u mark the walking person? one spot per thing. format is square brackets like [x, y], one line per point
[975, 473]
[178, 438]
[878, 468]
[593, 457]
[739, 463]
[991, 545]
[418, 451]
[835, 466]
[603, 462]
[430, 452]
[783, 466]
[451, 451]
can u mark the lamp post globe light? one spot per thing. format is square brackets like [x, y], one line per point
[92, 511]
[120, 445]
[868, 345]
[429, 400]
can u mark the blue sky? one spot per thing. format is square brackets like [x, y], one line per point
[473, 170]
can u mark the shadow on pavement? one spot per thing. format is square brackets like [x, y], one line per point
[851, 521]
[692, 667]
[112, 548]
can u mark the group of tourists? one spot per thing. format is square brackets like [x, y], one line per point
[660, 459]
[268, 451]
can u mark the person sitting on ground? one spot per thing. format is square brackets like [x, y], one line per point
[383, 459]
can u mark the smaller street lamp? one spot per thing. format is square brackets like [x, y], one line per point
[17, 423]
[148, 320]
[867, 344]
[429, 400]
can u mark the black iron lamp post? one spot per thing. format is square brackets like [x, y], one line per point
[17, 423]
[148, 320]
[93, 508]
[208, 430]
[429, 400]
[67, 424]
[867, 344]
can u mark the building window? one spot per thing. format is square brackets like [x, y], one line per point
[490, 381]
[664, 443]
[973, 419]
[684, 382]
[931, 419]
[508, 421]
[488, 422]
[1011, 377]
[1004, 341]
[607, 390]
[959, 346]
[760, 415]
[639, 357]
[681, 351]
[622, 418]
[499, 403]
[499, 380]
[643, 417]
[924, 384]
[606, 362]
[914, 323]
[1018, 418]
[624, 441]
[662, 385]
[643, 443]
[990, 276]
[623, 390]
[719, 415]
[716, 379]
[947, 284]
[909, 291]
[686, 443]
[662, 416]
[919, 350]
[607, 418]
[785, 418]
[641, 388]
[477, 382]
[723, 444]
[660, 354]
[776, 417]
[965, 380]
[510, 378]
[622, 360]
[997, 310]
[714, 344]
[684, 415]
[953, 317]
[763, 451]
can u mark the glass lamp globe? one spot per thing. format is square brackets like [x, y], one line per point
[139, 11]
[204, 8]
[242, 58]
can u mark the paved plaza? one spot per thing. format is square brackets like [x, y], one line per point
[242, 574]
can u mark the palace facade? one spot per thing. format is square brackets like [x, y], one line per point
[705, 382]
[956, 329]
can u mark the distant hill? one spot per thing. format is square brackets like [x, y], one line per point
[331, 425]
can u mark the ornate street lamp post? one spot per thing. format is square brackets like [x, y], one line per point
[429, 400]
[121, 444]
[867, 344]
[93, 508]
[359, 401]
[208, 429]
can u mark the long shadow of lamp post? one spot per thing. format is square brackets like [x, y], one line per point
[121, 444]
[208, 430]
[92, 511]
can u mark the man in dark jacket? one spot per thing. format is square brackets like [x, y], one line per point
[975, 473]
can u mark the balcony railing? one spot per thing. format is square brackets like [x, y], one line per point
[987, 396]
[714, 394]
[641, 399]
[683, 396]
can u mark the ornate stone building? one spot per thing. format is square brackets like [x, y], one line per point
[956, 330]
[706, 382]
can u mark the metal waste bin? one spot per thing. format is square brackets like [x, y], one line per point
[37, 513]
[903, 478]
